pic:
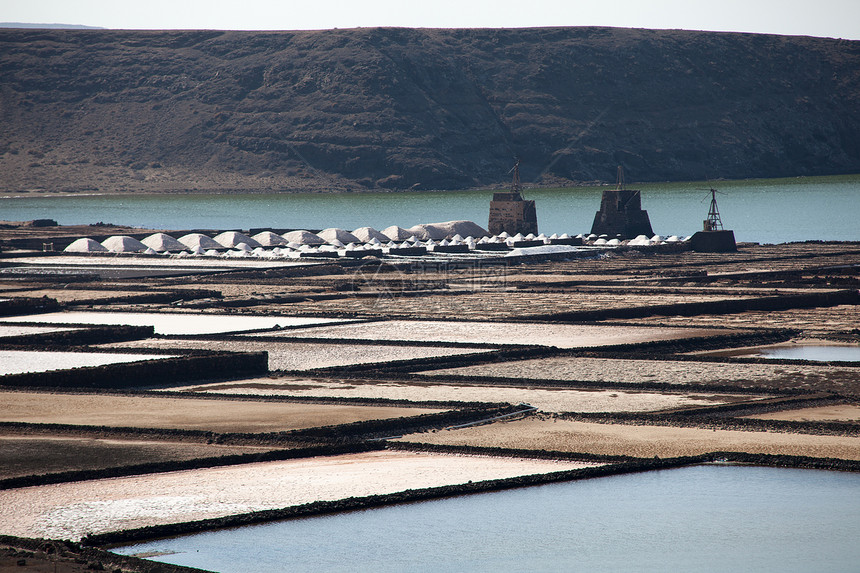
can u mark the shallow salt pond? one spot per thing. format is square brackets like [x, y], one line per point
[23, 361]
[9, 331]
[290, 355]
[70, 510]
[818, 353]
[559, 335]
[545, 399]
[175, 323]
[703, 518]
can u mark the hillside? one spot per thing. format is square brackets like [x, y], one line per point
[100, 110]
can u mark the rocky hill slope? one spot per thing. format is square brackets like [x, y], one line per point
[99, 110]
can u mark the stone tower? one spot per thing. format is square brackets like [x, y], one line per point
[510, 212]
[621, 213]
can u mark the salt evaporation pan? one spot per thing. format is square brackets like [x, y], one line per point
[199, 240]
[231, 239]
[123, 244]
[270, 239]
[162, 242]
[302, 237]
[85, 246]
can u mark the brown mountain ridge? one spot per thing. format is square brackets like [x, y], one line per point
[397, 108]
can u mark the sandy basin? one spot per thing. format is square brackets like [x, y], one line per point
[290, 355]
[8, 330]
[33, 454]
[663, 371]
[173, 322]
[835, 413]
[639, 441]
[70, 510]
[546, 399]
[559, 335]
[184, 413]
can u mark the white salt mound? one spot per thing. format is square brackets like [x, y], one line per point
[333, 234]
[396, 233]
[200, 241]
[161, 242]
[368, 234]
[270, 239]
[447, 230]
[426, 232]
[303, 237]
[85, 245]
[123, 244]
[231, 239]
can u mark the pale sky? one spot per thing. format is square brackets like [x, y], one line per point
[828, 18]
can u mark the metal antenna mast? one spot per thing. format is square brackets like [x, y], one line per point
[516, 187]
[713, 223]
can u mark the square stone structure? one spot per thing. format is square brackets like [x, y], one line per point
[621, 213]
[511, 213]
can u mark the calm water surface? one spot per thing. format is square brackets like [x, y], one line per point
[817, 353]
[705, 518]
[767, 210]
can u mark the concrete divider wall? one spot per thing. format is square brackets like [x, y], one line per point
[19, 306]
[217, 365]
[81, 336]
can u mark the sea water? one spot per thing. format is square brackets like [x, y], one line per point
[702, 518]
[765, 210]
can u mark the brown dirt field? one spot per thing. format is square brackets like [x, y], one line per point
[813, 321]
[546, 399]
[184, 413]
[640, 441]
[775, 376]
[496, 304]
[836, 413]
[23, 455]
[74, 295]
[559, 335]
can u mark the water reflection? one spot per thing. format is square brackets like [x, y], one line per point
[817, 353]
[706, 518]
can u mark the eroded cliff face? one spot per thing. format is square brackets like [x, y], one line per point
[413, 108]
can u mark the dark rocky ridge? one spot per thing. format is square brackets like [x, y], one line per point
[99, 110]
